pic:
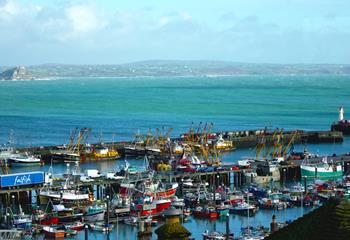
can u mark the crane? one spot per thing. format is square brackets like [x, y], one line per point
[284, 152]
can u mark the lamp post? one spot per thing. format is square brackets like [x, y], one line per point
[86, 228]
[227, 226]
[8, 219]
[218, 181]
[13, 203]
[107, 222]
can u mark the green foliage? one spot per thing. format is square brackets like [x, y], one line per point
[172, 231]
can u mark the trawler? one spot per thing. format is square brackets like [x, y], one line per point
[24, 160]
[223, 145]
[147, 206]
[323, 169]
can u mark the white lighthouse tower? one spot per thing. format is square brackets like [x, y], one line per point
[341, 114]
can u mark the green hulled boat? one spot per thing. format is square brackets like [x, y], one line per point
[321, 170]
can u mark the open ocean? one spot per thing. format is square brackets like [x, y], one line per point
[44, 113]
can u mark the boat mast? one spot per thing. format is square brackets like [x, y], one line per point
[248, 211]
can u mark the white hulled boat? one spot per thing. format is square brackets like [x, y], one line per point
[24, 160]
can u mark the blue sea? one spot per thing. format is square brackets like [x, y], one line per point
[41, 113]
[44, 112]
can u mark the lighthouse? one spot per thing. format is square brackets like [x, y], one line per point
[342, 125]
[341, 114]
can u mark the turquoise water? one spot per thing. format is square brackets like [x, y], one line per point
[43, 112]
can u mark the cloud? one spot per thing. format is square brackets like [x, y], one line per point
[9, 8]
[83, 18]
[88, 32]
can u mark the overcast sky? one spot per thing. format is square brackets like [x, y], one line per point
[120, 31]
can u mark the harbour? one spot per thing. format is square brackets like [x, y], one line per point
[94, 161]
[214, 178]
[174, 120]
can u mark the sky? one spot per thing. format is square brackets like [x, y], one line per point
[121, 31]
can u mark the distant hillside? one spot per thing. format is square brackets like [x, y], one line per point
[16, 73]
[181, 68]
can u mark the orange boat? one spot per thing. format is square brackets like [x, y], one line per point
[53, 233]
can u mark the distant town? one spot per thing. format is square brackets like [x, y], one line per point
[167, 68]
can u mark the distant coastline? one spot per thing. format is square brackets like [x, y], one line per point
[166, 68]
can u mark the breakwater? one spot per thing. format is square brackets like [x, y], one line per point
[239, 139]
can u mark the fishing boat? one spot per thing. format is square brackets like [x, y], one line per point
[66, 195]
[163, 191]
[24, 160]
[245, 163]
[322, 169]
[178, 148]
[134, 150]
[244, 209]
[76, 226]
[205, 212]
[271, 203]
[65, 157]
[222, 210]
[22, 220]
[254, 233]
[67, 215]
[48, 220]
[153, 150]
[42, 218]
[104, 152]
[101, 227]
[120, 206]
[216, 235]
[6, 152]
[94, 214]
[177, 202]
[149, 206]
[136, 147]
[149, 220]
[222, 144]
[54, 233]
[131, 220]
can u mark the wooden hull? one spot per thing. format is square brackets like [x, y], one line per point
[54, 235]
[204, 214]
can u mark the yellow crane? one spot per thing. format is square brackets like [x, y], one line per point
[72, 137]
[284, 152]
[260, 146]
[83, 132]
[269, 146]
[278, 144]
[149, 136]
